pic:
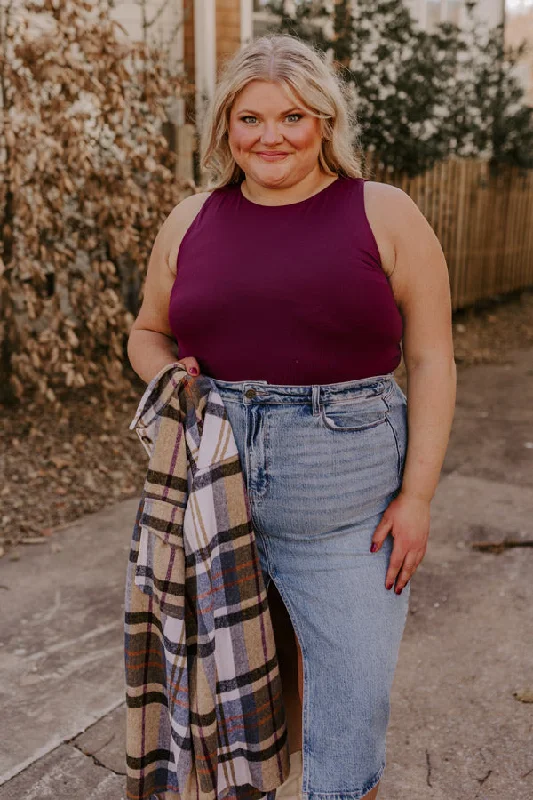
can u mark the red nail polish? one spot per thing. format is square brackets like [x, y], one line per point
[399, 592]
[388, 586]
[373, 547]
[193, 371]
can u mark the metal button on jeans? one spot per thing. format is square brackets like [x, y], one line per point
[250, 393]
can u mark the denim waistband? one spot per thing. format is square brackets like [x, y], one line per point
[262, 391]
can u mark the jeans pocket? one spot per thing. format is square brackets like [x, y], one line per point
[356, 413]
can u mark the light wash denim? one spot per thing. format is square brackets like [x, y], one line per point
[321, 464]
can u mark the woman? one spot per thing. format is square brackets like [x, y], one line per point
[296, 285]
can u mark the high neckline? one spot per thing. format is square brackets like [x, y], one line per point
[298, 204]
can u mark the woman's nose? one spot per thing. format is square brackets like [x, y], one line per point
[270, 135]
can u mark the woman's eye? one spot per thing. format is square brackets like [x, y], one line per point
[250, 116]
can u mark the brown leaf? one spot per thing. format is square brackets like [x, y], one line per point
[524, 696]
[59, 462]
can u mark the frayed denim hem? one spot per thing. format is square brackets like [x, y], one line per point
[354, 795]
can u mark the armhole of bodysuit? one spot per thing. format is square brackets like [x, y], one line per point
[190, 227]
[377, 254]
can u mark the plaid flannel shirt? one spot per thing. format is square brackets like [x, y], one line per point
[205, 718]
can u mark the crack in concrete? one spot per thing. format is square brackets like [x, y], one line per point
[4, 780]
[428, 764]
[95, 760]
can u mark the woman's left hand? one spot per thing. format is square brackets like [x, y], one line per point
[407, 518]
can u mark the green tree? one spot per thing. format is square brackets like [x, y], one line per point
[421, 96]
[503, 127]
[303, 19]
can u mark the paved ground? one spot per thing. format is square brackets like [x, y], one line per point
[458, 729]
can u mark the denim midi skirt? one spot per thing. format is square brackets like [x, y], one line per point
[321, 464]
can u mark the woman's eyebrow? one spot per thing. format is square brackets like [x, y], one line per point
[256, 113]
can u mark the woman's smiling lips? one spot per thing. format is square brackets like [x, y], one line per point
[272, 156]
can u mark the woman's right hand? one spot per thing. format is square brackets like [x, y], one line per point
[191, 365]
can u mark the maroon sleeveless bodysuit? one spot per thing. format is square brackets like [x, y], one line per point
[292, 294]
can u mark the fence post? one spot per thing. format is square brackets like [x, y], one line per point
[181, 140]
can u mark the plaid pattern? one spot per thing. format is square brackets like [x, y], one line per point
[205, 715]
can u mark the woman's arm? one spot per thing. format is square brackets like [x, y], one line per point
[151, 344]
[421, 287]
[420, 282]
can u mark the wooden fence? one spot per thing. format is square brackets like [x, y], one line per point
[483, 221]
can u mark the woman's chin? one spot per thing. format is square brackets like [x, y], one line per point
[272, 175]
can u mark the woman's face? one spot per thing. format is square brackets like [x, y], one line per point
[264, 120]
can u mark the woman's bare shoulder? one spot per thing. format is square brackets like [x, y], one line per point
[419, 263]
[178, 222]
[390, 203]
[190, 205]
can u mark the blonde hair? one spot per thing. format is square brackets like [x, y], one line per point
[300, 68]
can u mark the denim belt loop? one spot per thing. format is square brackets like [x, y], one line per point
[316, 400]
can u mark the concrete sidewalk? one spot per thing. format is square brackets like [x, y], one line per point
[458, 728]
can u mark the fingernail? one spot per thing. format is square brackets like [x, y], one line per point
[388, 586]
[373, 547]
[399, 592]
[193, 370]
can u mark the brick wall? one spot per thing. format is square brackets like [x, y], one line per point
[188, 56]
